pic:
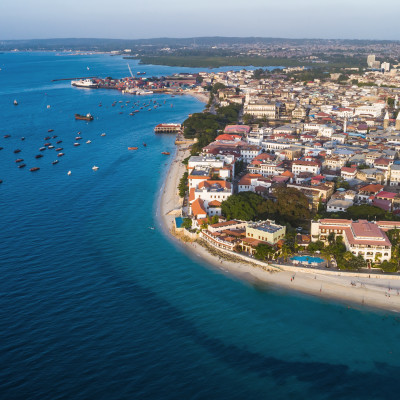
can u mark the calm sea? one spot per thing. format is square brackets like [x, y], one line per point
[95, 305]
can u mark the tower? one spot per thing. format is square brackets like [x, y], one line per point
[396, 101]
[345, 125]
[397, 126]
[386, 120]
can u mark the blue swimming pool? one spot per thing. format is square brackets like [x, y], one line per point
[308, 259]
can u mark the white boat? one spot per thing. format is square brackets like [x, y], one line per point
[15, 102]
[89, 141]
[95, 168]
[69, 173]
[86, 83]
[48, 106]
[103, 134]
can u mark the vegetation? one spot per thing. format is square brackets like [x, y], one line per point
[187, 223]
[264, 251]
[183, 185]
[363, 211]
[289, 207]
[240, 166]
[205, 126]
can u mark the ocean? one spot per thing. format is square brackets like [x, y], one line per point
[95, 304]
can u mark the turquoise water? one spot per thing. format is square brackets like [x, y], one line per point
[308, 259]
[94, 304]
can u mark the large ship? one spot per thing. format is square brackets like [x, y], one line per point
[87, 83]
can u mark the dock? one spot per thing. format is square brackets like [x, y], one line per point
[73, 79]
[168, 128]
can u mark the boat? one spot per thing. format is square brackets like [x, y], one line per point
[34, 169]
[95, 168]
[60, 154]
[54, 136]
[15, 102]
[132, 148]
[21, 165]
[77, 144]
[144, 144]
[50, 147]
[42, 149]
[48, 105]
[17, 151]
[47, 144]
[50, 130]
[47, 138]
[69, 173]
[55, 162]
[89, 141]
[166, 153]
[19, 160]
[6, 136]
[39, 156]
[22, 138]
[103, 134]
[78, 138]
[87, 117]
[85, 83]
[1, 148]
[59, 141]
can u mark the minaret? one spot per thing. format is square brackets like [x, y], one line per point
[345, 125]
[397, 126]
[386, 120]
[396, 101]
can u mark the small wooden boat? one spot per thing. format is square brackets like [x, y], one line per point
[60, 154]
[95, 168]
[17, 151]
[166, 153]
[22, 138]
[47, 138]
[50, 130]
[19, 160]
[34, 169]
[21, 165]
[55, 162]
[59, 141]
[59, 148]
[77, 144]
[54, 136]
[39, 156]
[144, 144]
[42, 149]
[132, 148]
[87, 117]
[88, 141]
[6, 136]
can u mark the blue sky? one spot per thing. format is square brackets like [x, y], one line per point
[353, 19]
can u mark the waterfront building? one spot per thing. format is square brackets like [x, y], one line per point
[360, 237]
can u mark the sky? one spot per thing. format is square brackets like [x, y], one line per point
[133, 19]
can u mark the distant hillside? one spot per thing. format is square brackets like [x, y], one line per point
[87, 44]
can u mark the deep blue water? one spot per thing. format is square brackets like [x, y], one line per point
[94, 304]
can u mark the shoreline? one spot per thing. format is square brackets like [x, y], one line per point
[380, 293]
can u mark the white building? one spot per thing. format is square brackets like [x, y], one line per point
[360, 237]
[300, 166]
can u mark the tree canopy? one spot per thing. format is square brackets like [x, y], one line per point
[290, 206]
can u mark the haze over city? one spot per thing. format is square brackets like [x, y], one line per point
[355, 19]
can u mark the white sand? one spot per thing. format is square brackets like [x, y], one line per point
[382, 293]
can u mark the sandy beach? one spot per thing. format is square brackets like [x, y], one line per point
[379, 292]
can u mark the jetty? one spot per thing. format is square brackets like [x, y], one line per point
[168, 128]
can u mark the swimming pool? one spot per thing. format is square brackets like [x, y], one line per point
[308, 259]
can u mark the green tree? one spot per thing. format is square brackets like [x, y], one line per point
[316, 246]
[217, 86]
[183, 185]
[263, 251]
[187, 223]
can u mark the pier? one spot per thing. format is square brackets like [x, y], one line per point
[168, 128]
